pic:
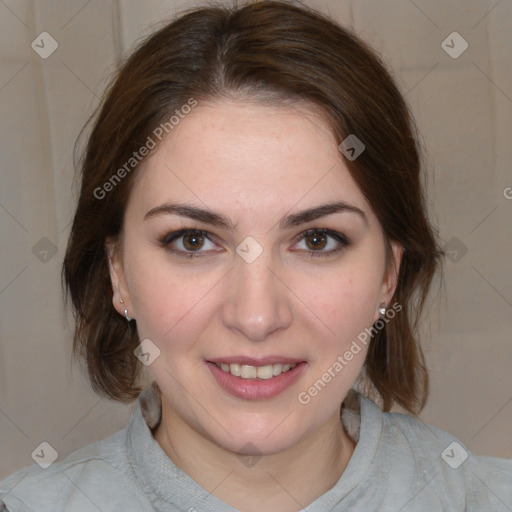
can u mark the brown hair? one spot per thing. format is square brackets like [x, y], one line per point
[266, 51]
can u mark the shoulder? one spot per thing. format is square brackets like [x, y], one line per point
[447, 466]
[83, 481]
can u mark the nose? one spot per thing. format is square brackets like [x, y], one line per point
[258, 301]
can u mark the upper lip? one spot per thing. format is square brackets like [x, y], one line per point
[256, 361]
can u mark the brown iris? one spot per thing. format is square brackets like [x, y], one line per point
[316, 241]
[193, 241]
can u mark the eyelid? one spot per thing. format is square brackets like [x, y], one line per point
[173, 235]
[330, 232]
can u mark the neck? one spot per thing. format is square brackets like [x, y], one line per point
[287, 481]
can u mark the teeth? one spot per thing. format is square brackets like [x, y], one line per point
[246, 371]
[235, 369]
[265, 372]
[277, 369]
[249, 372]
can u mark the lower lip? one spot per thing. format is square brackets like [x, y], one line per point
[255, 389]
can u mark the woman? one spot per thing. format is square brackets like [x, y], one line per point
[251, 231]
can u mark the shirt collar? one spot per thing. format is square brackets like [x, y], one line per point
[167, 485]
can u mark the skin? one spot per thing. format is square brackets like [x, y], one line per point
[254, 164]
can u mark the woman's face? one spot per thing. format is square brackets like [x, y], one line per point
[282, 263]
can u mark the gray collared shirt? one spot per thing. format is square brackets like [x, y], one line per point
[399, 465]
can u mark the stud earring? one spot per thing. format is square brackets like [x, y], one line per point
[382, 310]
[125, 312]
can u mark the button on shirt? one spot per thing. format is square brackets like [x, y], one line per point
[399, 465]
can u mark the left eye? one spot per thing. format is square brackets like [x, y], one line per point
[322, 241]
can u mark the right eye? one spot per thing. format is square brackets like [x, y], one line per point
[188, 243]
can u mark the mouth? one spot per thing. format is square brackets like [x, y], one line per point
[253, 379]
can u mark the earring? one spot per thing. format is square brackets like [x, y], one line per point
[382, 310]
[125, 312]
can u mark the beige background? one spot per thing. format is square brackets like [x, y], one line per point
[464, 111]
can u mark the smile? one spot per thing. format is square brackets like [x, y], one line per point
[246, 371]
[255, 381]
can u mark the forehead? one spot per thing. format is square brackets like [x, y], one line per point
[247, 153]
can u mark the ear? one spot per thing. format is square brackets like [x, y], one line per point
[117, 277]
[390, 281]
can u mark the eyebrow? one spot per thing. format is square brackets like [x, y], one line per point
[221, 221]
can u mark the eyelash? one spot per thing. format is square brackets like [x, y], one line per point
[167, 239]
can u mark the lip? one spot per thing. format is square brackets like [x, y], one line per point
[255, 389]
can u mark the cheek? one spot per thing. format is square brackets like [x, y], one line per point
[343, 302]
[344, 307]
[168, 303]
